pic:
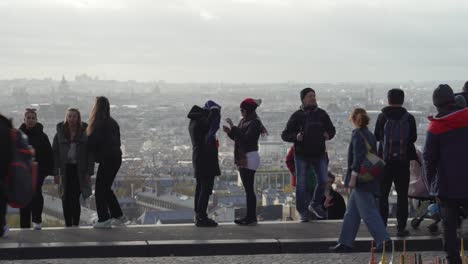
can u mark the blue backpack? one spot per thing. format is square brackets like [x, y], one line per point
[396, 137]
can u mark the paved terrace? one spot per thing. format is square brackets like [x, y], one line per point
[188, 240]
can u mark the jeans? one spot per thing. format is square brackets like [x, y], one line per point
[397, 172]
[248, 180]
[106, 202]
[34, 208]
[362, 205]
[450, 212]
[71, 202]
[202, 195]
[303, 195]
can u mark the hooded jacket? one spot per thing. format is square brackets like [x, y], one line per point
[85, 160]
[204, 152]
[396, 113]
[41, 144]
[445, 154]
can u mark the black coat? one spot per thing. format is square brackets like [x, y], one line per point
[41, 144]
[104, 142]
[204, 155]
[245, 136]
[5, 150]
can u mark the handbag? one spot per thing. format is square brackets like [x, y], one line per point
[372, 166]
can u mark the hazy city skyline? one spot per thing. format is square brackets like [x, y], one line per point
[235, 40]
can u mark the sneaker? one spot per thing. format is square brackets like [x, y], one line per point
[4, 232]
[403, 233]
[37, 226]
[206, 222]
[103, 225]
[339, 248]
[120, 221]
[246, 221]
[318, 211]
[304, 219]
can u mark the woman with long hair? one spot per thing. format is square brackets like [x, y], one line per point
[104, 142]
[245, 136]
[362, 202]
[44, 157]
[73, 165]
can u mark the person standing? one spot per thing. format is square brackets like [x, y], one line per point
[44, 157]
[308, 128]
[445, 153]
[362, 202]
[204, 123]
[104, 144]
[396, 133]
[73, 166]
[5, 158]
[245, 136]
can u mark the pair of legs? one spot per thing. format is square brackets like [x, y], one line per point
[450, 212]
[362, 205]
[304, 197]
[248, 180]
[71, 201]
[397, 172]
[203, 191]
[33, 211]
[107, 205]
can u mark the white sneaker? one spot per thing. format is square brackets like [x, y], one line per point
[5, 231]
[37, 226]
[103, 225]
[121, 221]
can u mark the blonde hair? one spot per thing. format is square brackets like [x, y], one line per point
[360, 117]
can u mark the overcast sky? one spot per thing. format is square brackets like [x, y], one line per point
[235, 40]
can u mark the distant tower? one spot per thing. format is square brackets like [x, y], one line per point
[63, 86]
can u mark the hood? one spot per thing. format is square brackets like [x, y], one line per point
[393, 112]
[5, 121]
[448, 122]
[196, 112]
[36, 130]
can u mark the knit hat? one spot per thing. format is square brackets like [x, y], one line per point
[465, 87]
[305, 91]
[250, 104]
[443, 95]
[460, 101]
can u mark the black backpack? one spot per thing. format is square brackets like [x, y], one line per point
[314, 140]
[396, 137]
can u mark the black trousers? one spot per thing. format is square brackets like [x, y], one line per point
[396, 172]
[71, 202]
[33, 211]
[107, 205]
[450, 212]
[248, 180]
[3, 210]
[203, 191]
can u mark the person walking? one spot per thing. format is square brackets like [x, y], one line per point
[45, 159]
[362, 202]
[247, 159]
[204, 123]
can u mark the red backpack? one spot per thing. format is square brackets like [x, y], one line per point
[22, 171]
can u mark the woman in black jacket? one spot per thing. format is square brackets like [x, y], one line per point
[5, 158]
[44, 157]
[104, 141]
[246, 157]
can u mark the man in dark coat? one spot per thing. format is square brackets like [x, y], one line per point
[5, 157]
[204, 123]
[44, 157]
[445, 153]
[397, 168]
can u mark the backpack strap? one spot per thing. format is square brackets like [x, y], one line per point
[369, 148]
[403, 119]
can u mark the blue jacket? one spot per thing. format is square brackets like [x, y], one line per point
[357, 152]
[445, 154]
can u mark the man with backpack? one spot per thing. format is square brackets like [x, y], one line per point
[445, 153]
[308, 128]
[5, 157]
[395, 130]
